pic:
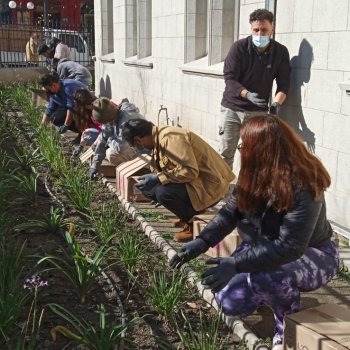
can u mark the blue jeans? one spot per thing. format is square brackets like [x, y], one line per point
[174, 197]
[279, 289]
[229, 127]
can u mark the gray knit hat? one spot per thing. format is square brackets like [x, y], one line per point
[103, 110]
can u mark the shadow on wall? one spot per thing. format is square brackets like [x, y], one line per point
[300, 74]
[105, 87]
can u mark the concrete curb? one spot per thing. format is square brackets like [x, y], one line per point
[234, 323]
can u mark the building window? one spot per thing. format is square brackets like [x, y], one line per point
[211, 28]
[107, 26]
[138, 28]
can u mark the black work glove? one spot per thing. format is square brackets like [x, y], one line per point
[147, 182]
[188, 252]
[274, 108]
[253, 97]
[92, 174]
[217, 277]
[62, 129]
[77, 150]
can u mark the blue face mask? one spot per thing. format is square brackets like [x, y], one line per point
[143, 150]
[261, 41]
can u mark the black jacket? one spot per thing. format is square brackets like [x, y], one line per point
[275, 238]
[245, 68]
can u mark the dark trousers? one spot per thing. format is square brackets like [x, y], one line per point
[174, 197]
[279, 288]
[58, 118]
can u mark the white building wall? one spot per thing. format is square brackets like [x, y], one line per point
[319, 63]
[316, 33]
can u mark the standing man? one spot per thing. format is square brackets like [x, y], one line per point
[250, 68]
[188, 174]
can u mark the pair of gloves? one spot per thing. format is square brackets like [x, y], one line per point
[62, 129]
[214, 278]
[254, 98]
[147, 182]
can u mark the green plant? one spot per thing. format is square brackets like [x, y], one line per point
[167, 235]
[165, 294]
[80, 270]
[108, 221]
[198, 266]
[107, 336]
[78, 188]
[205, 337]
[12, 295]
[344, 274]
[51, 150]
[130, 249]
[26, 185]
[4, 163]
[51, 222]
[25, 161]
[152, 216]
[28, 338]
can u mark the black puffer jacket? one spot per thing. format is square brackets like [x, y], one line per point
[275, 238]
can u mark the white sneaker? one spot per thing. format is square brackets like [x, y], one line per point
[277, 347]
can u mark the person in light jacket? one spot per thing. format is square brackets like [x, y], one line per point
[279, 210]
[188, 176]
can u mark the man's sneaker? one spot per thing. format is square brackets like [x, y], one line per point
[185, 235]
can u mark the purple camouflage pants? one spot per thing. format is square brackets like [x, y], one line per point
[279, 289]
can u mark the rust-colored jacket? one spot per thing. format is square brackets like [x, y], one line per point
[180, 156]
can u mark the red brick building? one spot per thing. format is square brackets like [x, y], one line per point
[65, 14]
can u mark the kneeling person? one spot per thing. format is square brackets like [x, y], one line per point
[188, 174]
[109, 143]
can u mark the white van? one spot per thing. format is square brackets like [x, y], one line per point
[13, 39]
[79, 49]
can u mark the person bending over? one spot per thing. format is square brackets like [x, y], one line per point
[60, 108]
[110, 143]
[188, 174]
[279, 210]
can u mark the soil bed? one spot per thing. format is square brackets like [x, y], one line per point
[132, 295]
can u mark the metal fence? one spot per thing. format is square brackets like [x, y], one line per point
[19, 43]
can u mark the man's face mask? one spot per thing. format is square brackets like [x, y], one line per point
[261, 40]
[141, 149]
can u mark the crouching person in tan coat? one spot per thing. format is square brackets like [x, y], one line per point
[188, 174]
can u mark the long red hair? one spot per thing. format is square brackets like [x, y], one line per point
[274, 163]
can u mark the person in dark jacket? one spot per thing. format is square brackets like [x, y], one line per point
[251, 66]
[279, 210]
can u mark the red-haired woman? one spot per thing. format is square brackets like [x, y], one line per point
[279, 210]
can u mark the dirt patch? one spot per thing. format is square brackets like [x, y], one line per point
[131, 293]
